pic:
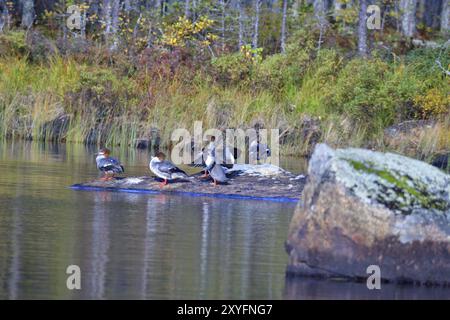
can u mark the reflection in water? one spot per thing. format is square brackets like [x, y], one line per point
[100, 245]
[204, 248]
[15, 261]
[139, 246]
[304, 288]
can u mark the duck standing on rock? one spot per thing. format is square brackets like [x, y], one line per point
[165, 169]
[213, 169]
[108, 165]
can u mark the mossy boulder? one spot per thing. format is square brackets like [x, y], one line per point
[362, 208]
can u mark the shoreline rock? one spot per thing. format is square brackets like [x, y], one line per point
[362, 208]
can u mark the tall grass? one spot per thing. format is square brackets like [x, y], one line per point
[352, 100]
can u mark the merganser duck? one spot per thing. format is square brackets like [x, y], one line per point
[109, 166]
[165, 169]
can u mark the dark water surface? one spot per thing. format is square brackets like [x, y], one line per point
[143, 246]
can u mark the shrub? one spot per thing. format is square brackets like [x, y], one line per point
[279, 71]
[359, 92]
[433, 103]
[13, 43]
[233, 69]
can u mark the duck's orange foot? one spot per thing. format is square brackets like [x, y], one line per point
[162, 184]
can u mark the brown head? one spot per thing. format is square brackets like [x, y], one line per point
[105, 152]
[160, 155]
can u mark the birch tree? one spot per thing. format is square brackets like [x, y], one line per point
[362, 29]
[256, 24]
[222, 22]
[28, 13]
[294, 7]
[445, 16]
[115, 23]
[106, 17]
[320, 11]
[320, 15]
[240, 8]
[4, 15]
[186, 8]
[408, 18]
[283, 26]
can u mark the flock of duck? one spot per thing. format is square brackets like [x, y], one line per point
[166, 171]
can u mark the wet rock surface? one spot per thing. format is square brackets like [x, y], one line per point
[282, 186]
[362, 208]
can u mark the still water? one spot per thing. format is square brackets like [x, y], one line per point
[132, 246]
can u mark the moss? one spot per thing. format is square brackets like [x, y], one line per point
[402, 187]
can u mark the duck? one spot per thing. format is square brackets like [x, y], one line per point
[228, 158]
[165, 169]
[109, 166]
[258, 151]
[213, 169]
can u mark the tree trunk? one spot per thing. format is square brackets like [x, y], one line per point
[431, 13]
[83, 24]
[127, 5]
[222, 22]
[4, 15]
[408, 11]
[283, 27]
[241, 24]
[106, 13]
[186, 8]
[115, 23]
[295, 6]
[256, 26]
[362, 29]
[445, 16]
[27, 13]
[320, 11]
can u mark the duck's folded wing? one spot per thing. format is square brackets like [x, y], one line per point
[169, 167]
[110, 164]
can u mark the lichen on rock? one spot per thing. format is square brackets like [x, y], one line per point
[361, 207]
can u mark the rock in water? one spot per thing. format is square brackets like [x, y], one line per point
[362, 208]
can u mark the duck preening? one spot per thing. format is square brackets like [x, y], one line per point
[212, 168]
[226, 158]
[165, 169]
[109, 166]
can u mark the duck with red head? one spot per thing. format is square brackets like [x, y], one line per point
[109, 166]
[165, 169]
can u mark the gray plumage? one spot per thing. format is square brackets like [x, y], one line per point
[108, 164]
[166, 170]
[216, 171]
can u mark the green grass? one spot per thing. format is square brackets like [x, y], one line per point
[352, 99]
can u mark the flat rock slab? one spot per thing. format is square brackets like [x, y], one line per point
[282, 188]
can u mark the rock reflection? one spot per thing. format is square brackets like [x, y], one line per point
[299, 288]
